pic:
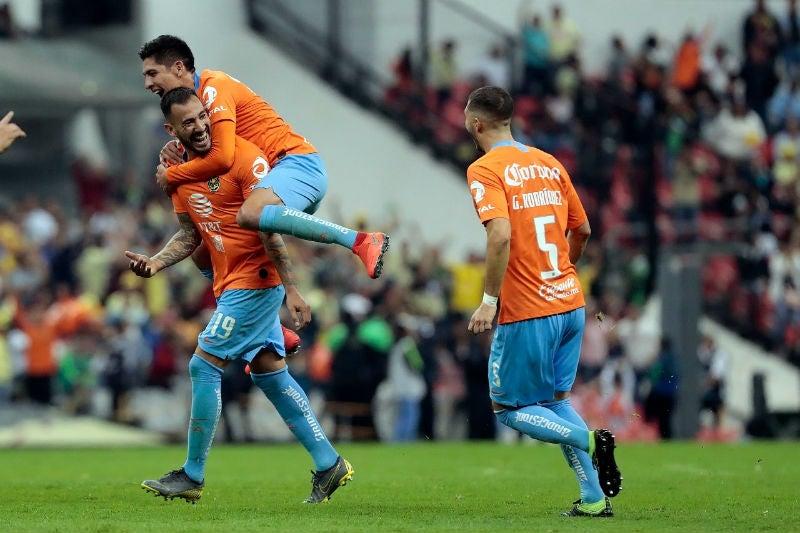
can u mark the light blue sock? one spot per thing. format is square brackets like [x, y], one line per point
[544, 425]
[579, 460]
[206, 408]
[290, 221]
[293, 406]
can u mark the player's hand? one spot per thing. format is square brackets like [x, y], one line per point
[9, 132]
[482, 319]
[161, 179]
[299, 310]
[172, 154]
[143, 266]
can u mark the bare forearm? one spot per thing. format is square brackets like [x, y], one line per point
[497, 252]
[577, 240]
[276, 249]
[181, 245]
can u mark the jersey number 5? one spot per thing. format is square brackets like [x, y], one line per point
[547, 247]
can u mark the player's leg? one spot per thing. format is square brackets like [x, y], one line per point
[521, 377]
[269, 372]
[284, 202]
[187, 482]
[202, 260]
[565, 367]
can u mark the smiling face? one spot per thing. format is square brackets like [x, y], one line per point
[190, 124]
[160, 78]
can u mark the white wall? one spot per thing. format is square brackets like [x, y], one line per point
[372, 166]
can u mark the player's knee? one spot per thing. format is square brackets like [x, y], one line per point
[504, 417]
[267, 361]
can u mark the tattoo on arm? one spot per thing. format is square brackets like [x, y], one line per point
[182, 244]
[276, 249]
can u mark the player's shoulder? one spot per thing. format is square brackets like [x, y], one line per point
[250, 158]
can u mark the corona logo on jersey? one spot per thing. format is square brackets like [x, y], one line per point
[260, 167]
[213, 184]
[517, 174]
[209, 95]
[201, 205]
[478, 190]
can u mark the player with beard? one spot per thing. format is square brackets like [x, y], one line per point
[536, 231]
[285, 198]
[249, 294]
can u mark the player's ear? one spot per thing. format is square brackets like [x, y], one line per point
[170, 129]
[179, 67]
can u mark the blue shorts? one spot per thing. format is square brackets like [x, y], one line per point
[245, 322]
[532, 359]
[300, 180]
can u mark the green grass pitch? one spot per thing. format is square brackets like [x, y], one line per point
[425, 487]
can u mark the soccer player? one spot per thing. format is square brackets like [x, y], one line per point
[9, 132]
[285, 198]
[249, 295]
[536, 231]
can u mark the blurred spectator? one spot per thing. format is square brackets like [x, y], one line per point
[41, 365]
[444, 71]
[686, 68]
[720, 68]
[619, 62]
[8, 28]
[784, 105]
[791, 41]
[535, 53]
[761, 28]
[563, 36]
[664, 376]
[715, 362]
[736, 133]
[759, 76]
[639, 337]
[405, 384]
[495, 67]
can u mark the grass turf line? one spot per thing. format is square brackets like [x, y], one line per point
[428, 487]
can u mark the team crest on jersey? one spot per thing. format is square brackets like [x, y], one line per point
[213, 184]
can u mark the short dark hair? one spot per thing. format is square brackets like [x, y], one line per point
[493, 102]
[179, 96]
[166, 50]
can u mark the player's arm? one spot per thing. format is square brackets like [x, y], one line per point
[498, 248]
[179, 247]
[578, 227]
[276, 249]
[216, 162]
[577, 239]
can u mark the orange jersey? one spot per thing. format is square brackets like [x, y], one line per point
[237, 254]
[533, 191]
[227, 99]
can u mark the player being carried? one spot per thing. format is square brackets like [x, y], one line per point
[245, 324]
[286, 197]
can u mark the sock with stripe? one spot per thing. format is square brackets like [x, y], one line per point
[579, 460]
[290, 221]
[206, 408]
[292, 404]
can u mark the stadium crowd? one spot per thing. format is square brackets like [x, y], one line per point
[701, 140]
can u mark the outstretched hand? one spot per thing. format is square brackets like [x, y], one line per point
[142, 265]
